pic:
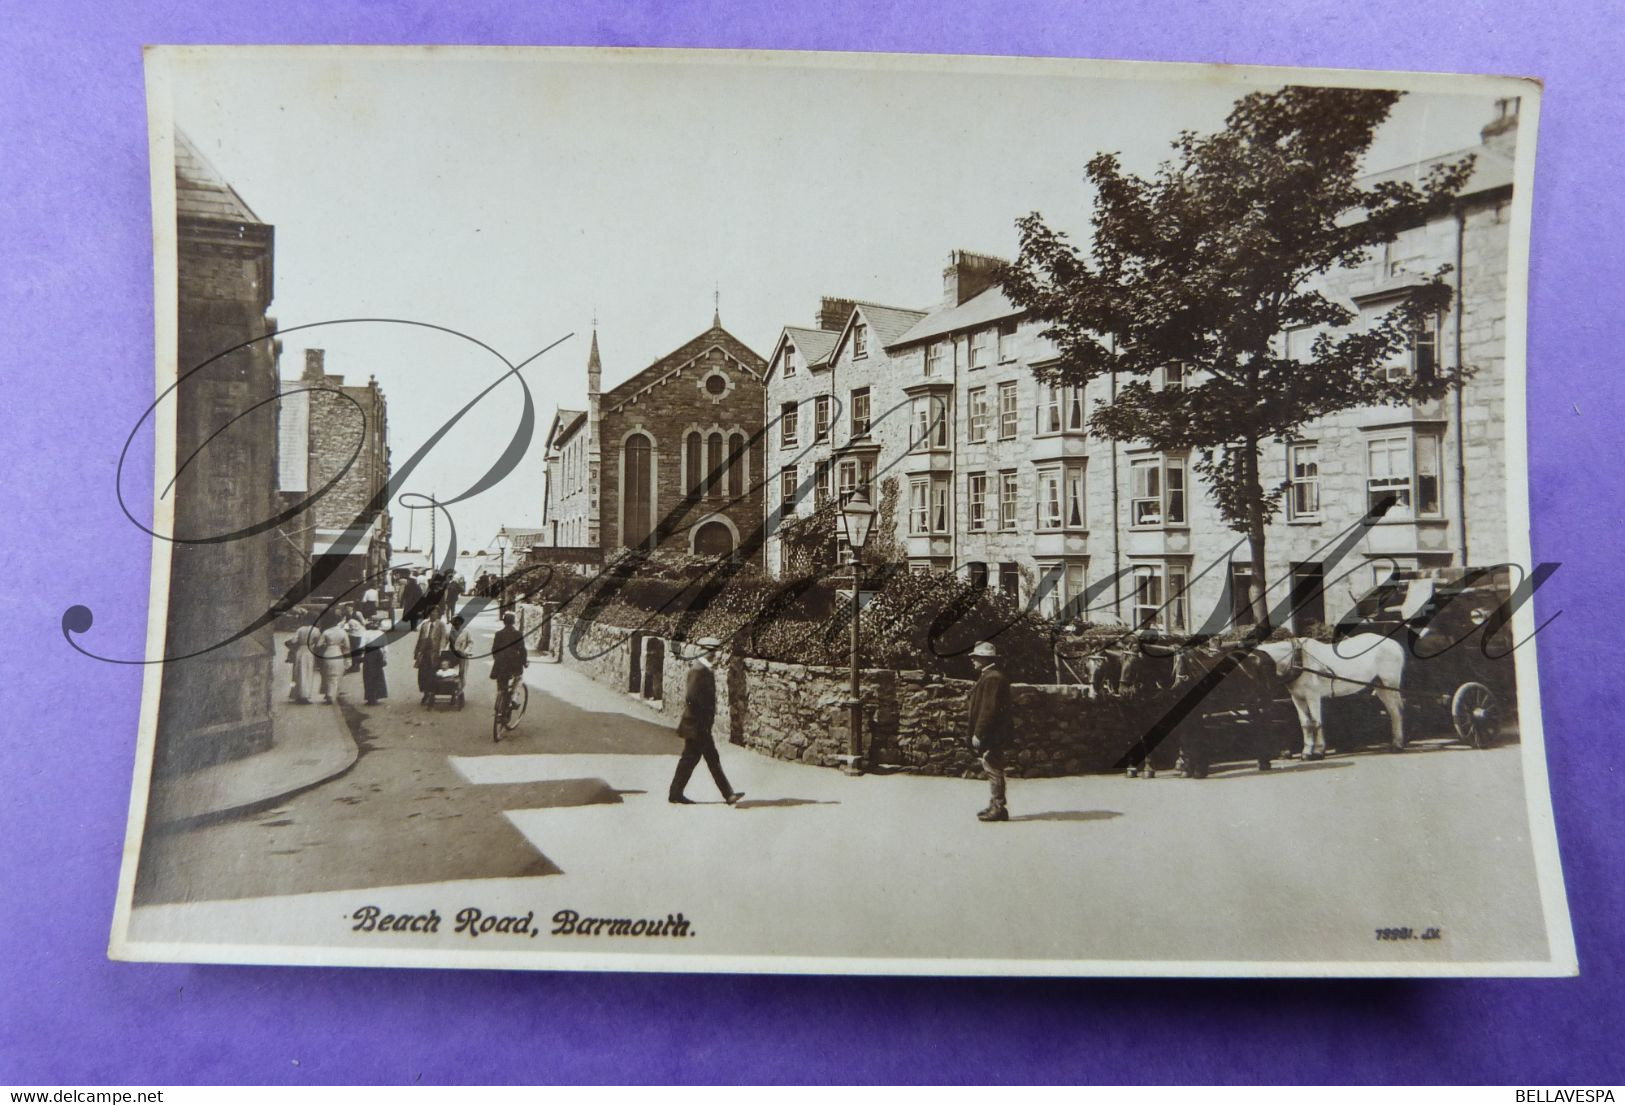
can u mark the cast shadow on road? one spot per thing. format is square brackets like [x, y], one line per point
[780, 803]
[1251, 770]
[1069, 815]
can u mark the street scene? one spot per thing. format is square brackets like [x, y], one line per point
[1151, 595]
[434, 813]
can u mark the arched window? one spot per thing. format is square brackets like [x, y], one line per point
[714, 447]
[637, 489]
[737, 473]
[693, 462]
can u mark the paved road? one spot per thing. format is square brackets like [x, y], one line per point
[403, 814]
[1303, 864]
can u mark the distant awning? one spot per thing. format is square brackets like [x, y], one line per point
[354, 541]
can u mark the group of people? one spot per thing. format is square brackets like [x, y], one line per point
[422, 593]
[347, 638]
[440, 641]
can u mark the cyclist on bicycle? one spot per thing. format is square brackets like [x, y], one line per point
[508, 655]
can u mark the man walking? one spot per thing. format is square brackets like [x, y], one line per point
[990, 724]
[412, 605]
[699, 711]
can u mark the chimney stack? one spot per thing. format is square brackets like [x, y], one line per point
[1501, 133]
[834, 311]
[315, 364]
[967, 276]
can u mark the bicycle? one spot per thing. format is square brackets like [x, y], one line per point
[512, 698]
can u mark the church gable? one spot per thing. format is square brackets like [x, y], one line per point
[715, 362]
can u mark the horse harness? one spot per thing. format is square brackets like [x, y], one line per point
[1298, 667]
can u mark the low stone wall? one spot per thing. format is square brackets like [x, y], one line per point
[798, 711]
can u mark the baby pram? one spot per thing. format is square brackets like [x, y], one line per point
[447, 681]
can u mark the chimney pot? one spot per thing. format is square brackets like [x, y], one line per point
[833, 312]
[1501, 133]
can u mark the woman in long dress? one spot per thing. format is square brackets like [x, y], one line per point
[331, 651]
[302, 651]
[372, 664]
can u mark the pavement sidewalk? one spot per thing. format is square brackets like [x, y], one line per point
[311, 744]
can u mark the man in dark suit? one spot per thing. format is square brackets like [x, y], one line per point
[699, 711]
[990, 724]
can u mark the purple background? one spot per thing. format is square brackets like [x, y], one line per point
[76, 369]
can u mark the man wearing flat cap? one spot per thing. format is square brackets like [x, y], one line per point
[699, 711]
[990, 724]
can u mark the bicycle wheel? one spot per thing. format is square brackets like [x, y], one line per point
[499, 715]
[516, 710]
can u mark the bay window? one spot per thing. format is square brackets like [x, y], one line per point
[930, 423]
[1404, 465]
[1160, 601]
[1060, 497]
[928, 505]
[1060, 408]
[1157, 491]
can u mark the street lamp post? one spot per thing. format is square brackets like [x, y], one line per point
[503, 541]
[857, 516]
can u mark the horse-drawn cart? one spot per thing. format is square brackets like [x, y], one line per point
[1458, 672]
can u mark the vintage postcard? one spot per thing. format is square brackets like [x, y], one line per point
[710, 511]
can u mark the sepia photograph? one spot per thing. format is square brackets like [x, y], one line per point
[838, 513]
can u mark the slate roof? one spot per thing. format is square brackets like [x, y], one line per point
[815, 345]
[564, 423]
[985, 307]
[1491, 170]
[889, 323]
[201, 192]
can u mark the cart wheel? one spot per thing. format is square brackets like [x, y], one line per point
[1475, 714]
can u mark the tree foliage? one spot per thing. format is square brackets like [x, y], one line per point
[1205, 265]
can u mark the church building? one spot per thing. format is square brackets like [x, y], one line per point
[670, 456]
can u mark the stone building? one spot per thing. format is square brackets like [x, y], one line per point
[836, 412]
[216, 699]
[1001, 481]
[338, 433]
[667, 456]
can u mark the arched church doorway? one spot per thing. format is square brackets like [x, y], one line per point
[713, 539]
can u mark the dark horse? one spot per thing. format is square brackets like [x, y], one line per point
[1157, 675]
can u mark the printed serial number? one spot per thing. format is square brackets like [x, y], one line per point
[1409, 934]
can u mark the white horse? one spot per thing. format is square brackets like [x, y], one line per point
[1315, 671]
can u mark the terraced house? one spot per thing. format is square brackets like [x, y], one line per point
[836, 412]
[1000, 480]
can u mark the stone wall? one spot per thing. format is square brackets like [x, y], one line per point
[798, 712]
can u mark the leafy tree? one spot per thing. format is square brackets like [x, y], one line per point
[1203, 267]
